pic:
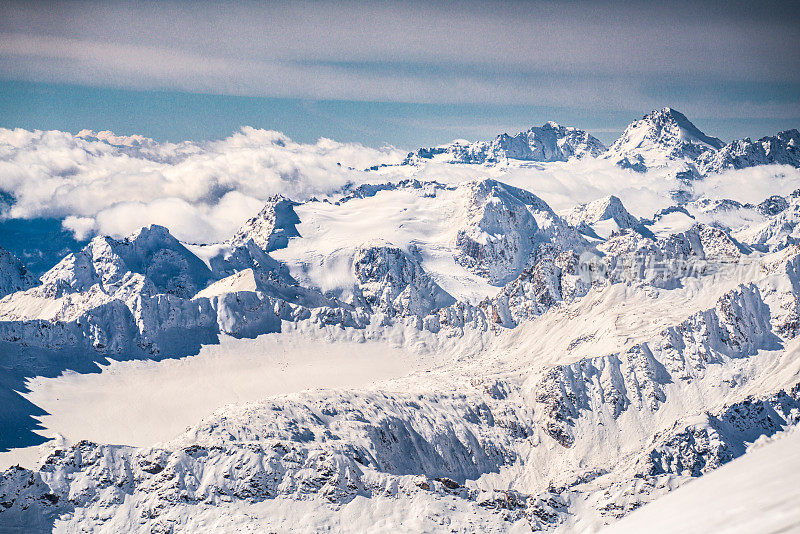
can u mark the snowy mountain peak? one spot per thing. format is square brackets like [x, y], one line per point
[550, 142]
[666, 118]
[116, 140]
[669, 124]
[151, 235]
[272, 227]
[660, 137]
[488, 191]
[152, 252]
[602, 209]
[602, 217]
[506, 227]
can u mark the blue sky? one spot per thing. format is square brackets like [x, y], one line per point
[406, 74]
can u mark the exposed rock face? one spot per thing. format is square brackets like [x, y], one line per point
[272, 227]
[550, 142]
[694, 449]
[507, 229]
[539, 288]
[14, 276]
[393, 281]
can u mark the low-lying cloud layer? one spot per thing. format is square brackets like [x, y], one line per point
[101, 183]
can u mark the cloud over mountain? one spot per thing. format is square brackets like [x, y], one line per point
[202, 191]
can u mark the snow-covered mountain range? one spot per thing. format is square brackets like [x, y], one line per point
[549, 142]
[561, 367]
[662, 138]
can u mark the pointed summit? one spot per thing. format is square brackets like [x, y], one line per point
[601, 217]
[660, 137]
[667, 118]
[602, 209]
[272, 227]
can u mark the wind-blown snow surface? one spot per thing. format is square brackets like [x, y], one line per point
[766, 499]
[541, 346]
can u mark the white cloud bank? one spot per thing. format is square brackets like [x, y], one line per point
[102, 183]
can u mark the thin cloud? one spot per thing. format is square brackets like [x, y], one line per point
[596, 55]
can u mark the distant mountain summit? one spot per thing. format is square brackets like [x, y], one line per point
[664, 138]
[549, 142]
[658, 138]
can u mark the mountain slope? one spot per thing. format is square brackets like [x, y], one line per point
[520, 418]
[765, 499]
[14, 276]
[568, 379]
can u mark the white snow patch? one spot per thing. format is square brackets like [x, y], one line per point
[146, 402]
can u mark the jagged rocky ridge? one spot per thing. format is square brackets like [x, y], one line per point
[782, 149]
[549, 142]
[500, 438]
